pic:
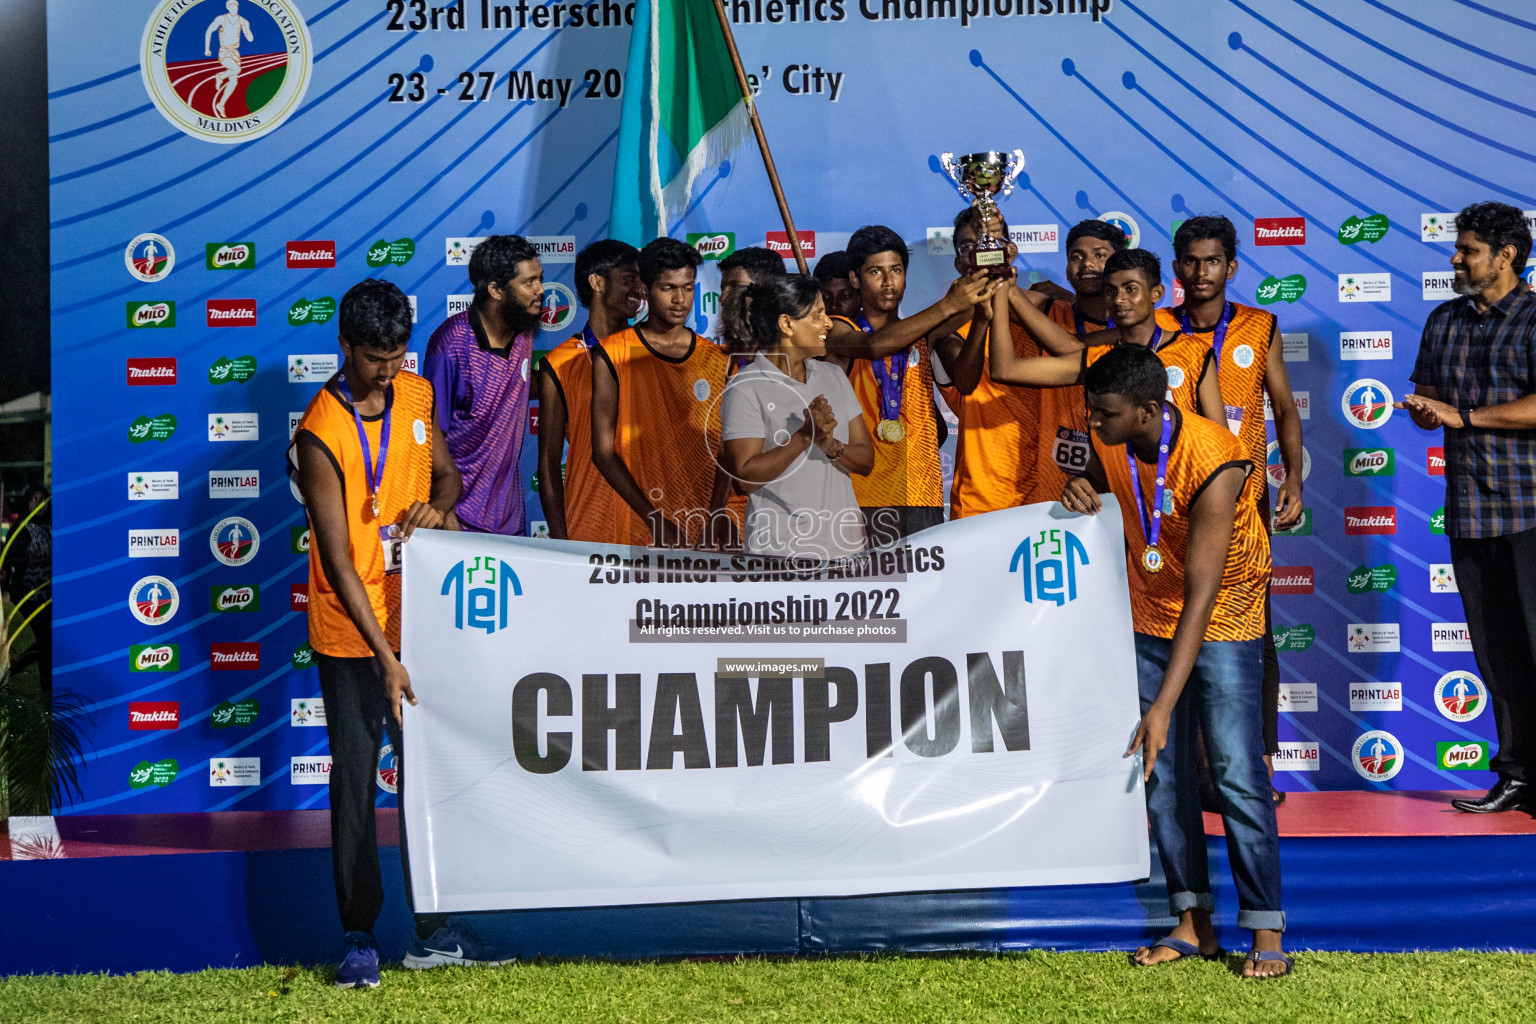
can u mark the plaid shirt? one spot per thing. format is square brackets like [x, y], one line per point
[1478, 360]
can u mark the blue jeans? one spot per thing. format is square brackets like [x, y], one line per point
[1223, 700]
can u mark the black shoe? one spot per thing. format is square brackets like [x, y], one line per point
[1507, 795]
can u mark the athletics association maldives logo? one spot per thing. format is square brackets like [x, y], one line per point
[389, 769]
[150, 257]
[234, 541]
[1367, 403]
[1377, 756]
[153, 600]
[481, 589]
[1460, 696]
[1048, 565]
[559, 307]
[1125, 222]
[226, 70]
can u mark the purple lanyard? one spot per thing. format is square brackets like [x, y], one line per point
[1152, 526]
[1082, 325]
[375, 480]
[588, 337]
[1218, 339]
[890, 373]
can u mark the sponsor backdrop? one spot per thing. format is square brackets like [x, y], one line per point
[218, 181]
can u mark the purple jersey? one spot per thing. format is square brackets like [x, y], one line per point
[482, 407]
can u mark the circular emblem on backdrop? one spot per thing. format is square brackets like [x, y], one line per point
[226, 70]
[558, 312]
[1377, 756]
[1125, 222]
[419, 432]
[389, 769]
[1367, 403]
[1243, 356]
[1460, 696]
[150, 257]
[1175, 377]
[701, 390]
[1276, 469]
[293, 485]
[153, 600]
[234, 541]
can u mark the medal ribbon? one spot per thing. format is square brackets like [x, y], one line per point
[375, 479]
[1152, 526]
[588, 336]
[890, 374]
[1082, 325]
[1220, 337]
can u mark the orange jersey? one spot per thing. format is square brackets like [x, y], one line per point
[995, 452]
[1061, 440]
[1186, 360]
[906, 472]
[1199, 449]
[590, 504]
[736, 502]
[1243, 360]
[668, 431]
[407, 479]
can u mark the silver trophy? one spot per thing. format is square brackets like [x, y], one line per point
[980, 177]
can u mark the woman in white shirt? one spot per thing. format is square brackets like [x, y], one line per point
[794, 430]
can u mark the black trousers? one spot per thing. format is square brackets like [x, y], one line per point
[1497, 580]
[357, 717]
[888, 524]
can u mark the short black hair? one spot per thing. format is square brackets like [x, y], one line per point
[832, 267]
[872, 240]
[1132, 371]
[756, 261]
[1198, 229]
[376, 314]
[1497, 225]
[602, 257]
[495, 261]
[1136, 259]
[970, 217]
[663, 254]
[1101, 229]
[773, 297]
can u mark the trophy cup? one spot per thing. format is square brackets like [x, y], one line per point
[980, 177]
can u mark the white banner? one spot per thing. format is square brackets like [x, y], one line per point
[602, 725]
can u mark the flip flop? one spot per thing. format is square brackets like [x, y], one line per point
[1186, 950]
[1270, 955]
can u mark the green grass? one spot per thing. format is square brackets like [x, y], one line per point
[1062, 988]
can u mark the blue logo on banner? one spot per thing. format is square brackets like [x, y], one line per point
[481, 590]
[1048, 565]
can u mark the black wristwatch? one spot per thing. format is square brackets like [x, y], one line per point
[1466, 417]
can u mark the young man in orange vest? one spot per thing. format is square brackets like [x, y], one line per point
[372, 467]
[1197, 558]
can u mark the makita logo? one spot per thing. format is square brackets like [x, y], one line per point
[231, 312]
[151, 371]
[298, 597]
[778, 242]
[1290, 579]
[234, 657]
[1436, 459]
[1280, 231]
[311, 254]
[1371, 519]
[154, 715]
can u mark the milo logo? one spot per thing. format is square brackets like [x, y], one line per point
[303, 656]
[397, 252]
[151, 428]
[154, 658]
[242, 713]
[311, 311]
[1281, 289]
[239, 370]
[713, 246]
[152, 773]
[1462, 755]
[1379, 579]
[1368, 461]
[1368, 229]
[298, 540]
[1295, 638]
[236, 599]
[151, 314]
[231, 255]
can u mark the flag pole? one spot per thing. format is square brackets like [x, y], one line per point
[762, 140]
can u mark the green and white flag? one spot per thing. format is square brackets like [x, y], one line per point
[683, 113]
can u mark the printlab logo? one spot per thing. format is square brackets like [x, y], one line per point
[395, 253]
[1460, 696]
[250, 84]
[1125, 222]
[1364, 229]
[1274, 465]
[1303, 399]
[150, 257]
[152, 773]
[151, 314]
[1280, 231]
[388, 776]
[154, 658]
[1367, 579]
[559, 307]
[231, 255]
[481, 590]
[153, 600]
[1369, 461]
[311, 311]
[154, 543]
[309, 770]
[1281, 289]
[234, 483]
[238, 370]
[1357, 345]
[1375, 696]
[234, 541]
[1438, 285]
[1367, 403]
[553, 248]
[1294, 638]
[715, 246]
[1449, 636]
[1377, 756]
[1048, 564]
[1462, 755]
[1298, 756]
[151, 428]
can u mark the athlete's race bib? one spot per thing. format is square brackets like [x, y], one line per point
[1235, 420]
[1071, 450]
[394, 543]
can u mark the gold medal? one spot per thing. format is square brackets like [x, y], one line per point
[1152, 559]
[891, 431]
[373, 503]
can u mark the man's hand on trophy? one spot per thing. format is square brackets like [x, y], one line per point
[969, 291]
